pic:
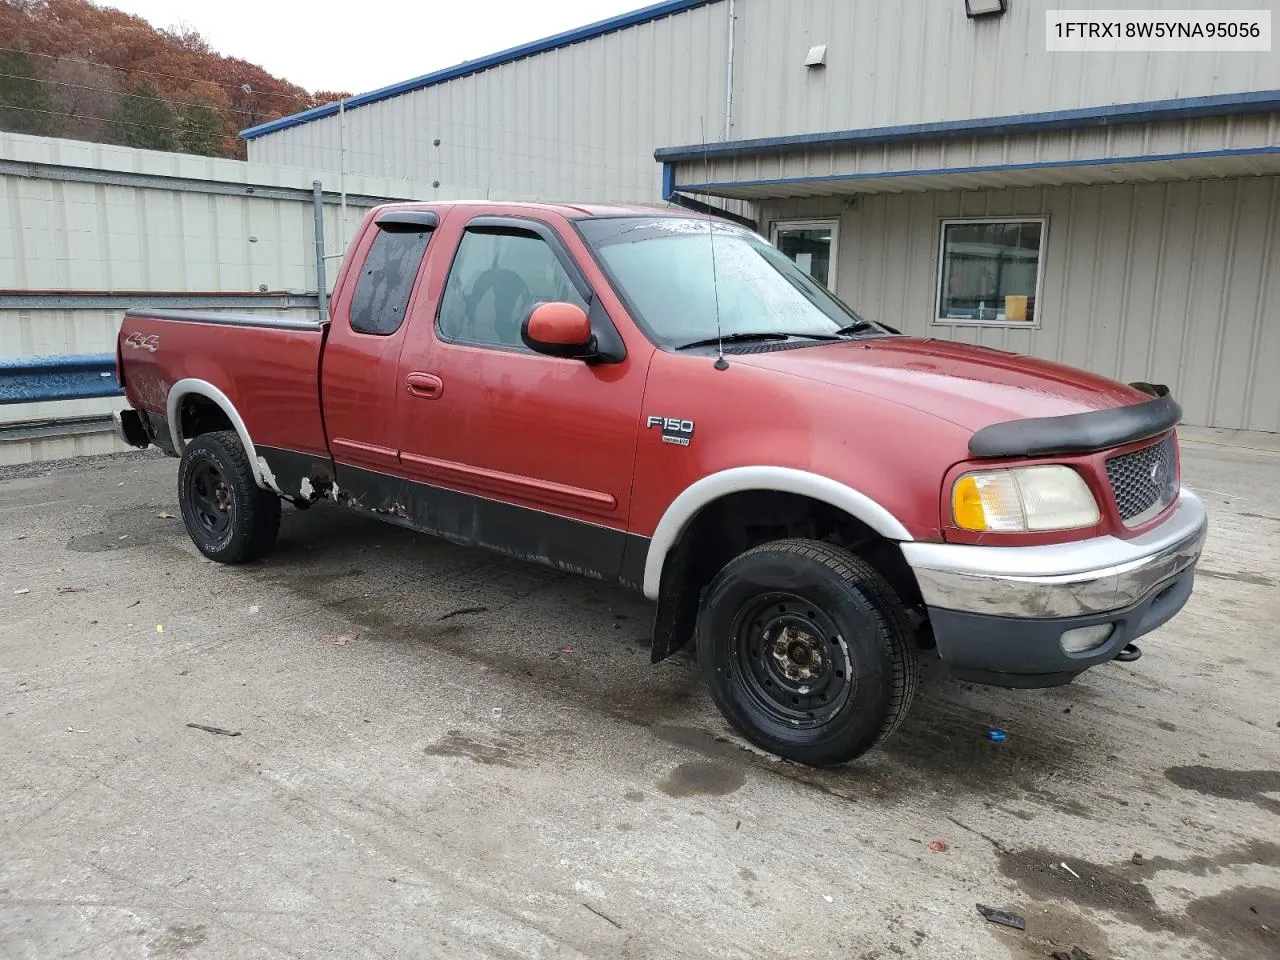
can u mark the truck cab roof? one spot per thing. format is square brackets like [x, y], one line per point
[570, 211]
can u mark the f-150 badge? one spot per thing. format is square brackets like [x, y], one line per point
[674, 431]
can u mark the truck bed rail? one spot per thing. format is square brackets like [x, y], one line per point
[228, 319]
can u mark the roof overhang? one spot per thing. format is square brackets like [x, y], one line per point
[1198, 166]
[1201, 138]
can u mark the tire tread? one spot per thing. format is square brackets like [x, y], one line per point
[885, 607]
[876, 600]
[259, 509]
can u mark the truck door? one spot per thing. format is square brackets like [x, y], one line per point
[359, 388]
[525, 453]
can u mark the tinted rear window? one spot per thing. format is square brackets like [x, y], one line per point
[386, 281]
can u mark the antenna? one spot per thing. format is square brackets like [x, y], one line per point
[721, 363]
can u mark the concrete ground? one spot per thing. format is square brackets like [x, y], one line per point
[517, 781]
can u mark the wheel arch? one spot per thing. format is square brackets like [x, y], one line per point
[697, 497]
[262, 475]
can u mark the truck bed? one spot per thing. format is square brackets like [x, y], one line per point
[268, 367]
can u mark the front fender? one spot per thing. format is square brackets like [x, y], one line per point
[696, 497]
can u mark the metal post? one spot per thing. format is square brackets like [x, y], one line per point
[322, 288]
[342, 170]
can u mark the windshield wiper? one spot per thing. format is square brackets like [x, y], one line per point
[862, 326]
[750, 337]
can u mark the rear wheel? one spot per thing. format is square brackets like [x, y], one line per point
[806, 651]
[228, 516]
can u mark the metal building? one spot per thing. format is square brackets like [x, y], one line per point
[942, 172]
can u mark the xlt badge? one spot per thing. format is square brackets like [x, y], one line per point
[674, 431]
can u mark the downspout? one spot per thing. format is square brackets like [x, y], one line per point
[670, 192]
[728, 92]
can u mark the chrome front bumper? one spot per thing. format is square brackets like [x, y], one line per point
[1060, 580]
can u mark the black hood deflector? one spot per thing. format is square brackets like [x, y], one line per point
[1079, 432]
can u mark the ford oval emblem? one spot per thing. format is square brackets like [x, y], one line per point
[1157, 473]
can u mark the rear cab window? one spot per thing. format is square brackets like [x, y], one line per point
[386, 279]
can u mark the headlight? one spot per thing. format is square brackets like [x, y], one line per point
[1022, 499]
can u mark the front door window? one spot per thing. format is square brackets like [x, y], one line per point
[498, 276]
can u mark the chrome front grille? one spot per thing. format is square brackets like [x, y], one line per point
[1145, 481]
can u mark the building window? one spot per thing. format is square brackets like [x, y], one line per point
[990, 271]
[813, 245]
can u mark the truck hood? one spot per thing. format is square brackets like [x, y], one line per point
[970, 386]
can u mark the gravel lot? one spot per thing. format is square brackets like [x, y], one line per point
[411, 780]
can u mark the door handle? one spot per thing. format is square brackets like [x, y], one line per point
[426, 386]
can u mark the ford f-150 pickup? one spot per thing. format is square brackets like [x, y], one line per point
[667, 401]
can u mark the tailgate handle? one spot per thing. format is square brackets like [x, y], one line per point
[425, 385]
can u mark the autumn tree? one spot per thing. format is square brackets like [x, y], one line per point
[321, 97]
[201, 129]
[146, 121]
[24, 101]
[164, 89]
[84, 99]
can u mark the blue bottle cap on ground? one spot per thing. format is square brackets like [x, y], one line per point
[997, 735]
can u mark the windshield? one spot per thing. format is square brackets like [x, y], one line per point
[664, 268]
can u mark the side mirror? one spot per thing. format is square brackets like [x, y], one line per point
[559, 330]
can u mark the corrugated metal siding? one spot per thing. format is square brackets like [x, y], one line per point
[579, 123]
[1171, 283]
[60, 234]
[921, 61]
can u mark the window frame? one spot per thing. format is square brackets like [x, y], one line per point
[940, 321]
[820, 223]
[545, 232]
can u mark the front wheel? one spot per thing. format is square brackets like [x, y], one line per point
[229, 517]
[806, 651]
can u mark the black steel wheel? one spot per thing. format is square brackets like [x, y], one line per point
[228, 516]
[806, 651]
[211, 499]
[793, 662]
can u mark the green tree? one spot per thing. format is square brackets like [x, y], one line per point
[146, 121]
[202, 130]
[24, 101]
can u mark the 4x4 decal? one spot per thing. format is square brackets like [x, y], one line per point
[141, 341]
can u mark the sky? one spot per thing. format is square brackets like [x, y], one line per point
[361, 45]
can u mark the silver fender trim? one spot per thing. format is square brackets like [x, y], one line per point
[741, 479]
[184, 388]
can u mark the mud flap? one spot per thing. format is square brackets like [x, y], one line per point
[678, 602]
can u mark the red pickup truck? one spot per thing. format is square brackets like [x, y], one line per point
[667, 401]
